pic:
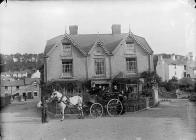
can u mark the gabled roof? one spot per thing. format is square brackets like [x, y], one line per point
[86, 41]
[50, 43]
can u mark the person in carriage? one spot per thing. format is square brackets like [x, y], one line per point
[94, 90]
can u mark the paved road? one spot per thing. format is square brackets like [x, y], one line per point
[175, 120]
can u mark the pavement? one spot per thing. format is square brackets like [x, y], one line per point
[171, 120]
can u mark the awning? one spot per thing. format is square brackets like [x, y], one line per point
[122, 75]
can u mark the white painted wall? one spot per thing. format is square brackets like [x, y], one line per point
[178, 72]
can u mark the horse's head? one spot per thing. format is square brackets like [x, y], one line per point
[54, 96]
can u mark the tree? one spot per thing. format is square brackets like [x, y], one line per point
[150, 78]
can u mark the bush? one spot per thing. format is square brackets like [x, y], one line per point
[150, 78]
[186, 84]
[171, 85]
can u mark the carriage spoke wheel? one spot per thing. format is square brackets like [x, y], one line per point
[114, 107]
[96, 110]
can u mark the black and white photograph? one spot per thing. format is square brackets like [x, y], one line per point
[98, 70]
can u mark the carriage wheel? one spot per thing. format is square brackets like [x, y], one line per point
[114, 107]
[96, 110]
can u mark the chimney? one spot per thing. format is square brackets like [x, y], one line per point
[73, 29]
[173, 57]
[190, 55]
[116, 29]
[160, 58]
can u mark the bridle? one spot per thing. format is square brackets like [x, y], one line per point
[61, 99]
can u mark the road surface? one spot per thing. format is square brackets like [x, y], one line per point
[175, 120]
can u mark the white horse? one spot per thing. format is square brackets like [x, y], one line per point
[64, 102]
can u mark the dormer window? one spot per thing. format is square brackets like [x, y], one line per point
[66, 47]
[130, 48]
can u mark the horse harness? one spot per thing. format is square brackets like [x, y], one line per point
[65, 102]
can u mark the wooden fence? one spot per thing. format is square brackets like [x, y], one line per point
[5, 101]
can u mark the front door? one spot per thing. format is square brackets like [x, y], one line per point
[29, 95]
[132, 91]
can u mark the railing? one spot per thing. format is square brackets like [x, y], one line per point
[132, 105]
[66, 75]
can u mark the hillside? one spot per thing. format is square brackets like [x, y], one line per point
[20, 62]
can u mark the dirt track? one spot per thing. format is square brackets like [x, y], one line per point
[170, 121]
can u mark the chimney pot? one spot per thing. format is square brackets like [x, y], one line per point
[116, 29]
[73, 29]
[160, 57]
[173, 57]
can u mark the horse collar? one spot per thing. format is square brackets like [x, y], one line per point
[61, 99]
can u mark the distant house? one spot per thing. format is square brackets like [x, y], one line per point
[98, 58]
[36, 74]
[174, 66]
[16, 74]
[28, 86]
[15, 59]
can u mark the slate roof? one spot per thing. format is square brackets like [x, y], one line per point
[86, 41]
[175, 62]
[28, 81]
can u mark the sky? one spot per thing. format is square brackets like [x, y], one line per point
[169, 26]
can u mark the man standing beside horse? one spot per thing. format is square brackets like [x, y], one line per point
[44, 110]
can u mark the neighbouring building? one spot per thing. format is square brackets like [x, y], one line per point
[16, 74]
[28, 86]
[36, 74]
[99, 58]
[175, 66]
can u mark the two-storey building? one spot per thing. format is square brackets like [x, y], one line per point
[98, 58]
[28, 87]
[175, 66]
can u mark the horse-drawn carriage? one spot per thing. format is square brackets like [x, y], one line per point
[96, 105]
[101, 102]
[104, 103]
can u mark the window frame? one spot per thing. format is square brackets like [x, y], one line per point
[130, 48]
[35, 93]
[67, 69]
[65, 50]
[102, 69]
[135, 65]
